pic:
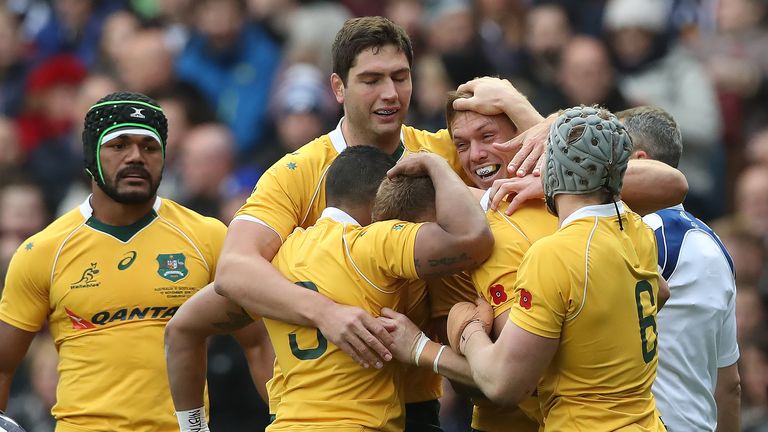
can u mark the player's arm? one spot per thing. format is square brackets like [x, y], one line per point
[664, 292]
[728, 399]
[410, 347]
[204, 314]
[648, 186]
[259, 353]
[246, 275]
[15, 345]
[525, 357]
[460, 238]
[651, 185]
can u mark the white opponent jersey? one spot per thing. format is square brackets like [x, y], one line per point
[697, 326]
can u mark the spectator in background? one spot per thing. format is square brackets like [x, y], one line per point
[736, 59]
[654, 71]
[49, 92]
[10, 155]
[501, 28]
[409, 14]
[119, 28]
[311, 29]
[74, 27]
[755, 370]
[452, 35]
[548, 31]
[751, 204]
[303, 108]
[31, 407]
[145, 62]
[207, 160]
[757, 147]
[233, 63]
[185, 107]
[13, 65]
[751, 313]
[175, 17]
[22, 213]
[587, 77]
[431, 84]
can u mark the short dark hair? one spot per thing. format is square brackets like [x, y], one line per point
[354, 177]
[359, 34]
[410, 199]
[654, 131]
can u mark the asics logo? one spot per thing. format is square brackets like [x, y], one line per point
[127, 261]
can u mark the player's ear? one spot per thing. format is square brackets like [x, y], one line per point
[338, 87]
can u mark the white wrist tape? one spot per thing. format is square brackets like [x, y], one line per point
[423, 339]
[437, 359]
[192, 420]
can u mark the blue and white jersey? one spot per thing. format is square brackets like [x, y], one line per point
[697, 326]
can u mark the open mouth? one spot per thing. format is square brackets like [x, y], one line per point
[386, 112]
[487, 171]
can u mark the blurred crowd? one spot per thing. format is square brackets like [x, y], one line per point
[245, 81]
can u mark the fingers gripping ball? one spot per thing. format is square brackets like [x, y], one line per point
[7, 424]
[464, 313]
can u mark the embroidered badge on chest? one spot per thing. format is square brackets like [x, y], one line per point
[172, 266]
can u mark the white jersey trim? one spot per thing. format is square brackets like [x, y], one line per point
[260, 222]
[600, 210]
[586, 271]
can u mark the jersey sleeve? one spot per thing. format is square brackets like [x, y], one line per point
[540, 295]
[25, 299]
[218, 231]
[439, 143]
[727, 347]
[387, 248]
[278, 201]
[495, 279]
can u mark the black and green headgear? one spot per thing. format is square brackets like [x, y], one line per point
[117, 114]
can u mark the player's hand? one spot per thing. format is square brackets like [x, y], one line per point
[528, 148]
[487, 95]
[357, 333]
[463, 314]
[405, 333]
[516, 191]
[415, 165]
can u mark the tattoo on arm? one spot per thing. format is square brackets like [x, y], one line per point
[237, 320]
[448, 260]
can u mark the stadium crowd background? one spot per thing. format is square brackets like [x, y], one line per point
[243, 82]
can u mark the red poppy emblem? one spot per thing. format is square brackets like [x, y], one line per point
[498, 294]
[525, 299]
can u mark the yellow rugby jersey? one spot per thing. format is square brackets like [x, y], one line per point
[368, 267]
[495, 281]
[291, 194]
[107, 293]
[595, 288]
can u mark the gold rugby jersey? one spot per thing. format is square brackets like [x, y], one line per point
[369, 267]
[107, 293]
[595, 287]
